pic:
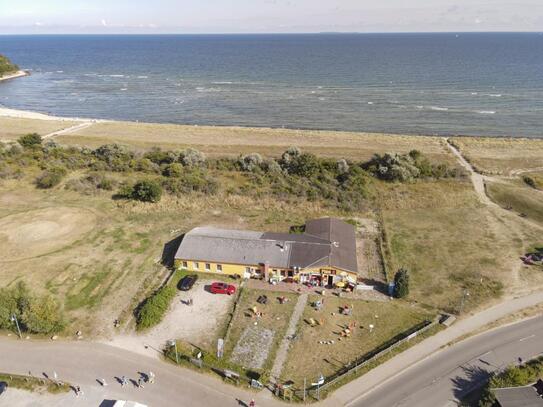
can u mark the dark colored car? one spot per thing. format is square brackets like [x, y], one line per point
[222, 288]
[187, 282]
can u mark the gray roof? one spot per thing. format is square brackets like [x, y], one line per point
[526, 396]
[326, 242]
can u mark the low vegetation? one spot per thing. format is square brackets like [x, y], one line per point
[34, 314]
[341, 184]
[29, 383]
[155, 307]
[513, 376]
[6, 66]
[527, 202]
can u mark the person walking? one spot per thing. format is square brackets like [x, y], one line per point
[123, 381]
[151, 377]
[140, 383]
[103, 382]
[252, 403]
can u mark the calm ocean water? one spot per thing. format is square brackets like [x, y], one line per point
[475, 84]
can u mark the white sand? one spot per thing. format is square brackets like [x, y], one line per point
[25, 114]
[17, 74]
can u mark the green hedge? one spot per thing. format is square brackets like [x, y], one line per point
[155, 307]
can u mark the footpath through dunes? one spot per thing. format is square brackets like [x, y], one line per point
[38, 232]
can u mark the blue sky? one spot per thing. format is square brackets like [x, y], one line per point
[262, 16]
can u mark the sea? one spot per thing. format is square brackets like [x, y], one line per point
[432, 84]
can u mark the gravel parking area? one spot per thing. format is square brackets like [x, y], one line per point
[197, 324]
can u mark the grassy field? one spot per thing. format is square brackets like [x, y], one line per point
[501, 155]
[12, 128]
[275, 317]
[519, 198]
[101, 257]
[450, 243]
[220, 141]
[308, 358]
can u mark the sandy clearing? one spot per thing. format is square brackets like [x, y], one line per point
[197, 324]
[37, 232]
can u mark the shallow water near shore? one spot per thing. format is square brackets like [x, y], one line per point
[474, 84]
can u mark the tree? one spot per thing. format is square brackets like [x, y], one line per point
[147, 191]
[401, 283]
[44, 316]
[30, 140]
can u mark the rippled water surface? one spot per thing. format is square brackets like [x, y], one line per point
[475, 84]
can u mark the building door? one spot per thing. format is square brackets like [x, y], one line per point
[330, 280]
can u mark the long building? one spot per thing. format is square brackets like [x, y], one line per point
[324, 254]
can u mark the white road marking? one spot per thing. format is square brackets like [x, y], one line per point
[526, 338]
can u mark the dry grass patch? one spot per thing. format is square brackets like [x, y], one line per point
[519, 198]
[501, 155]
[275, 318]
[449, 243]
[232, 141]
[12, 128]
[308, 358]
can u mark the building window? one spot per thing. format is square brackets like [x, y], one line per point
[275, 270]
[208, 267]
[283, 273]
[185, 265]
[196, 265]
[219, 267]
[248, 270]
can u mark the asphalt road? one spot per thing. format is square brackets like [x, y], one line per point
[82, 363]
[441, 379]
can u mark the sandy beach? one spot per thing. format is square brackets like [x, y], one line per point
[17, 74]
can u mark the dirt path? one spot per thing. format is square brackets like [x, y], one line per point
[71, 129]
[283, 348]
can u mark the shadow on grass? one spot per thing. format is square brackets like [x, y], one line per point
[170, 248]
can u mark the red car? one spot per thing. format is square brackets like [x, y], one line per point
[222, 288]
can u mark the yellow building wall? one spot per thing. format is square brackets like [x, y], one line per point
[227, 269]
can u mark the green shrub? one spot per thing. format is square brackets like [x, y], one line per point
[147, 191]
[401, 284]
[192, 158]
[41, 315]
[172, 170]
[30, 140]
[51, 177]
[155, 307]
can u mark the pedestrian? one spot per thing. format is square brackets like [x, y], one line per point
[103, 382]
[151, 377]
[55, 376]
[123, 381]
[252, 403]
[140, 383]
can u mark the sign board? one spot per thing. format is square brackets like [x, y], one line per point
[220, 348]
[196, 362]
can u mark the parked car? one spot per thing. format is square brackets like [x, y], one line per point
[187, 282]
[222, 288]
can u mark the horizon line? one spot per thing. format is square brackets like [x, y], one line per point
[277, 33]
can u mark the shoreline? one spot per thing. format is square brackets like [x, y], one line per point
[33, 115]
[15, 75]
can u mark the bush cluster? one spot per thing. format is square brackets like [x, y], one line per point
[513, 376]
[144, 191]
[39, 315]
[406, 167]
[155, 307]
[51, 177]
